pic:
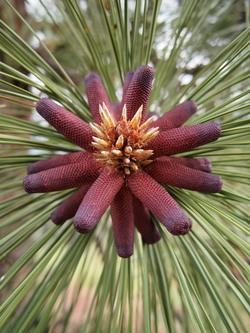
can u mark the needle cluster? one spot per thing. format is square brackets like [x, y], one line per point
[126, 156]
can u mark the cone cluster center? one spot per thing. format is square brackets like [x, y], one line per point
[121, 145]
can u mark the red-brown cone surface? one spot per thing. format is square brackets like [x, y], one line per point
[57, 161]
[117, 107]
[160, 203]
[123, 222]
[144, 223]
[62, 177]
[96, 95]
[164, 170]
[97, 200]
[127, 154]
[176, 117]
[127, 80]
[138, 92]
[66, 123]
[68, 208]
[202, 164]
[179, 140]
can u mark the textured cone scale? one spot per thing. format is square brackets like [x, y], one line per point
[57, 161]
[138, 92]
[160, 203]
[62, 177]
[126, 157]
[117, 107]
[66, 123]
[68, 208]
[164, 170]
[144, 223]
[123, 222]
[96, 95]
[179, 140]
[127, 80]
[202, 164]
[97, 200]
[176, 117]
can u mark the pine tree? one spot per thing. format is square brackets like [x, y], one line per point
[54, 279]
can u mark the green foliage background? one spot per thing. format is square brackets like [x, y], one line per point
[56, 280]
